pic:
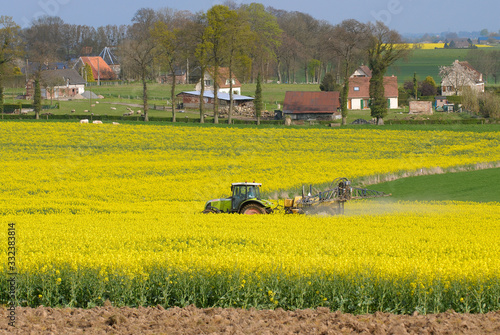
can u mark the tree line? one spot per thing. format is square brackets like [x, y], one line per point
[250, 40]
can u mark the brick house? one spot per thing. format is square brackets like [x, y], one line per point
[100, 69]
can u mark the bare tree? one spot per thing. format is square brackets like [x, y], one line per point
[348, 42]
[139, 50]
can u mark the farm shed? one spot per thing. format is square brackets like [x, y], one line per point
[421, 107]
[191, 99]
[311, 105]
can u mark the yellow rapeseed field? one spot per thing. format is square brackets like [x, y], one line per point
[117, 209]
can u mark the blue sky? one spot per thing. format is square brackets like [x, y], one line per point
[406, 16]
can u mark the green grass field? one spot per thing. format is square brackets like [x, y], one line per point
[426, 62]
[479, 186]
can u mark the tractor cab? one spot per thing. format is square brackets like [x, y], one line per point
[245, 199]
[242, 192]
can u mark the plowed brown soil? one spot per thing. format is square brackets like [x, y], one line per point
[192, 320]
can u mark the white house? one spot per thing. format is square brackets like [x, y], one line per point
[64, 83]
[223, 83]
[459, 75]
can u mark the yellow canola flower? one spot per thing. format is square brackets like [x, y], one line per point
[123, 200]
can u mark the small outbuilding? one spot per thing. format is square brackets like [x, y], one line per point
[191, 99]
[421, 107]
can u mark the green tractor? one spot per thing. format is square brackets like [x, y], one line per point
[245, 200]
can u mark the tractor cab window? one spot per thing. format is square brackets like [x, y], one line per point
[253, 192]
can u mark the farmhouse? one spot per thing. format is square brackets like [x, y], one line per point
[191, 99]
[311, 105]
[459, 75]
[180, 76]
[359, 89]
[100, 69]
[55, 84]
[223, 83]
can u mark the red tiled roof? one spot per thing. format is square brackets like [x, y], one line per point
[311, 102]
[363, 87]
[104, 70]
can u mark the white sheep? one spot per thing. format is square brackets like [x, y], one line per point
[84, 121]
[97, 122]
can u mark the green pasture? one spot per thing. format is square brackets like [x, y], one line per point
[478, 185]
[426, 62]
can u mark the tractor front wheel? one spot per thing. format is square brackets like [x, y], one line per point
[251, 209]
[211, 210]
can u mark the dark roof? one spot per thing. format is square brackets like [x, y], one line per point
[34, 66]
[63, 77]
[311, 102]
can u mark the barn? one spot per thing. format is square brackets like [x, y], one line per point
[311, 105]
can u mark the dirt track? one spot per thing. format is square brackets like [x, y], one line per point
[190, 320]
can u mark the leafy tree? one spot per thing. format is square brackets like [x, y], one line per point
[415, 86]
[10, 47]
[385, 47]
[313, 69]
[267, 36]
[329, 83]
[258, 99]
[218, 19]
[88, 74]
[37, 97]
[427, 89]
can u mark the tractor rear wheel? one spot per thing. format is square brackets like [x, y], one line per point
[251, 209]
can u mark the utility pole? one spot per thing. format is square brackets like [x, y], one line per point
[98, 74]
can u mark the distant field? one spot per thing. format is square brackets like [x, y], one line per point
[461, 186]
[426, 62]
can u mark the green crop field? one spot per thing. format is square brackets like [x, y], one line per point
[479, 185]
[426, 62]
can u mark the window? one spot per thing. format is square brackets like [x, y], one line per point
[227, 81]
[356, 88]
[208, 82]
